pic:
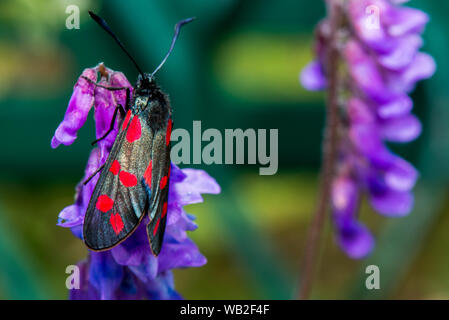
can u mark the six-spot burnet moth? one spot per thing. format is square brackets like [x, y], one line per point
[135, 177]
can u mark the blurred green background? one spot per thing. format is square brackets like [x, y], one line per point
[236, 67]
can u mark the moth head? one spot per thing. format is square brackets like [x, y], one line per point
[145, 81]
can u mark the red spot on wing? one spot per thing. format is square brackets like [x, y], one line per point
[127, 179]
[164, 210]
[156, 227]
[168, 133]
[115, 167]
[125, 123]
[104, 203]
[116, 223]
[147, 174]
[164, 182]
[134, 130]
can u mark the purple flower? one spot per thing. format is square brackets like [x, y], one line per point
[129, 270]
[352, 235]
[379, 65]
[313, 77]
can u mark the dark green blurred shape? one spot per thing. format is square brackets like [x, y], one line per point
[18, 279]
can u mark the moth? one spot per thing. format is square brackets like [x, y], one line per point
[134, 180]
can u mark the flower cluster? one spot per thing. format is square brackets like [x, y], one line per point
[129, 270]
[380, 63]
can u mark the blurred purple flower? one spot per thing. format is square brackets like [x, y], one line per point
[129, 270]
[383, 64]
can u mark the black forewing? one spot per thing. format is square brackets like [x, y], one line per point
[103, 229]
[159, 186]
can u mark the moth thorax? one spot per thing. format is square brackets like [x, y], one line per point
[140, 103]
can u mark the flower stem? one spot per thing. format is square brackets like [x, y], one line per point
[313, 241]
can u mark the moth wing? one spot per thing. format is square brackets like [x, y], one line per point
[120, 199]
[160, 179]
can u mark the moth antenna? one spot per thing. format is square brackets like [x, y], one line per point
[175, 37]
[105, 26]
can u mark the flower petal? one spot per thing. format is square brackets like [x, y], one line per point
[179, 255]
[422, 67]
[400, 105]
[401, 176]
[119, 80]
[405, 20]
[312, 77]
[70, 217]
[402, 129]
[104, 109]
[365, 73]
[162, 288]
[189, 190]
[80, 103]
[355, 240]
[403, 53]
[104, 274]
[392, 203]
[345, 198]
[73, 215]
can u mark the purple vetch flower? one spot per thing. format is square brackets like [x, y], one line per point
[352, 235]
[313, 77]
[129, 270]
[379, 65]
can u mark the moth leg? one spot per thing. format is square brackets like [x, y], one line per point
[94, 174]
[104, 87]
[111, 127]
[128, 92]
